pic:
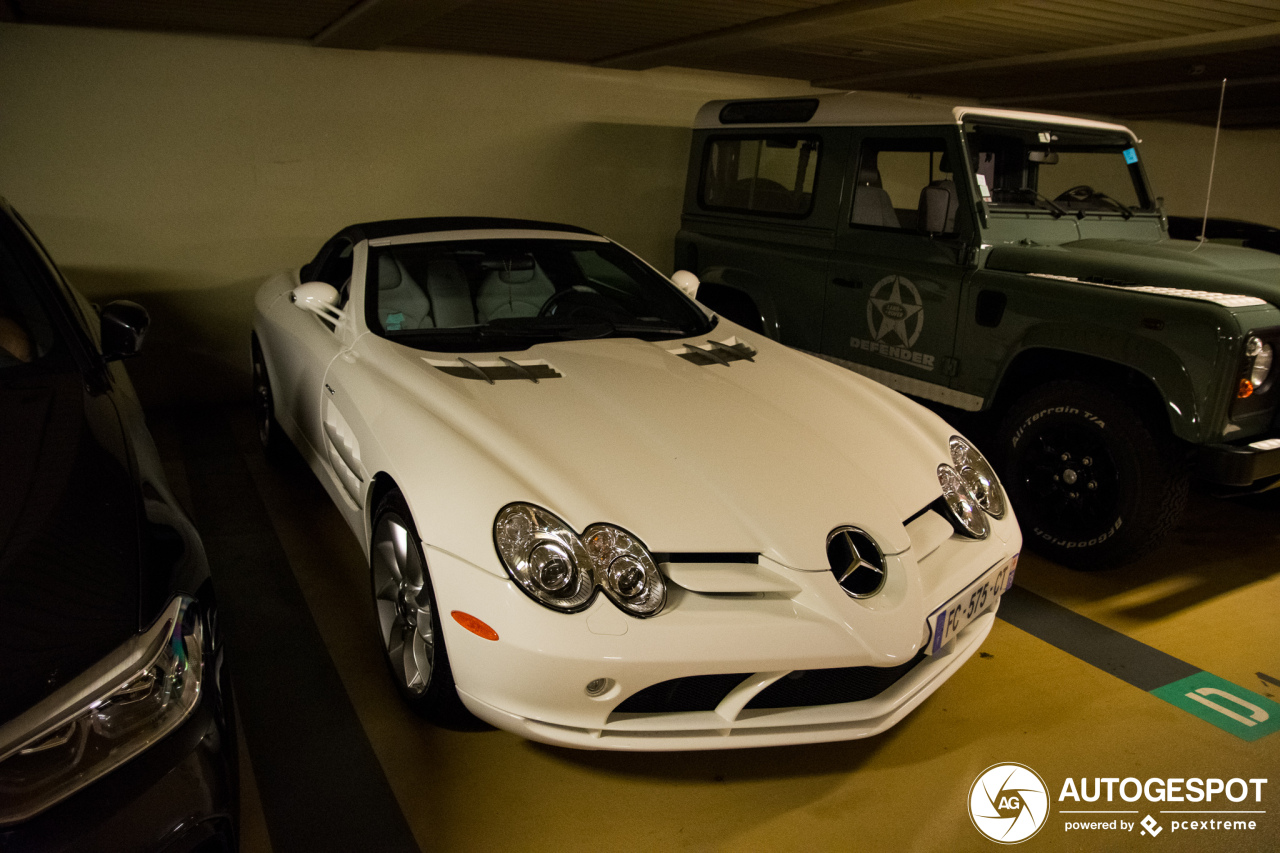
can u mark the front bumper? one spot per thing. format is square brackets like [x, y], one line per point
[736, 655]
[1239, 465]
[731, 725]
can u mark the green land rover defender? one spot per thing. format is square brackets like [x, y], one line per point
[1005, 262]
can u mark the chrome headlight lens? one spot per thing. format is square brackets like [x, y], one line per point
[558, 568]
[962, 504]
[979, 476]
[544, 556]
[104, 717]
[625, 570]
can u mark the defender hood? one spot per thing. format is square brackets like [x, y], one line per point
[1179, 264]
[760, 456]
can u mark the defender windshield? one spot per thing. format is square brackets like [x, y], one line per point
[1058, 170]
[506, 294]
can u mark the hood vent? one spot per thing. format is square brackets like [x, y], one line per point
[496, 371]
[715, 352]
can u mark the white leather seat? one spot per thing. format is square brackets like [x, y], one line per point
[401, 302]
[450, 294]
[518, 293]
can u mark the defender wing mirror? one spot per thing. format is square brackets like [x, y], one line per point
[319, 298]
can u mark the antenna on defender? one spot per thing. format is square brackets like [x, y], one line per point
[1204, 224]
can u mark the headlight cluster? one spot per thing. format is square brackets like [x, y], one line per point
[970, 489]
[121, 706]
[561, 570]
[1260, 357]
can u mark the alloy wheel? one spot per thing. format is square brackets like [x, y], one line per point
[403, 603]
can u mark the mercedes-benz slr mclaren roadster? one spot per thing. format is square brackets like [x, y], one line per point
[598, 515]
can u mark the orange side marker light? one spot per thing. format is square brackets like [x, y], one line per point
[1245, 389]
[474, 625]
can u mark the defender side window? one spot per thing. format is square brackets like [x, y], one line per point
[905, 185]
[770, 175]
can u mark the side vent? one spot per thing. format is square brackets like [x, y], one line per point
[715, 352]
[496, 371]
[344, 454]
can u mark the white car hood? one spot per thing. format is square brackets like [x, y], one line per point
[763, 456]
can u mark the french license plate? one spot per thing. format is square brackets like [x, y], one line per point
[954, 616]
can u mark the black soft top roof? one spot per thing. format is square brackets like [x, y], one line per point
[395, 227]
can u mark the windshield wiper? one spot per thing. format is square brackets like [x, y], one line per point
[1058, 212]
[1123, 208]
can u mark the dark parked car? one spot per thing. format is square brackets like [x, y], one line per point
[1250, 235]
[115, 719]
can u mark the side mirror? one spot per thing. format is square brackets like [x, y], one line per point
[687, 282]
[124, 325]
[319, 298]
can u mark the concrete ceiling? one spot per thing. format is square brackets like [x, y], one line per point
[1133, 59]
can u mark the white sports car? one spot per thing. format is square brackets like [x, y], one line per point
[599, 516]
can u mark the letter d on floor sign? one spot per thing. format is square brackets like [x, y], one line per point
[1228, 706]
[1256, 714]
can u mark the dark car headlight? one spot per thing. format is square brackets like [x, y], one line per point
[561, 570]
[105, 716]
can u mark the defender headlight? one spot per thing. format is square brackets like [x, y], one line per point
[962, 504]
[979, 476]
[625, 569]
[560, 570]
[1262, 359]
[103, 717]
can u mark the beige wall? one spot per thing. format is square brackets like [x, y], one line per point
[182, 170]
[1246, 178]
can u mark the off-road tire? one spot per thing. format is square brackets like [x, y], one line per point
[1094, 483]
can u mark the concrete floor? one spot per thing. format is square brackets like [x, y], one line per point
[1209, 597]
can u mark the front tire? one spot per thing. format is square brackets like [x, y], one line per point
[270, 435]
[408, 618]
[1094, 485]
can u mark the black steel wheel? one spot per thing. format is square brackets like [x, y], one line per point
[408, 619]
[272, 437]
[1093, 483]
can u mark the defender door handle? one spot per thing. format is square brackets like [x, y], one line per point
[847, 282]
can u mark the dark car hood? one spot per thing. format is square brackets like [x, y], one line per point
[69, 534]
[1161, 263]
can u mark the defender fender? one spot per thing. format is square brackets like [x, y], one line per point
[1068, 351]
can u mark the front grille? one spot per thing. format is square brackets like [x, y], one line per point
[691, 693]
[806, 687]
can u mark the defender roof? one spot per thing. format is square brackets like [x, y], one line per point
[871, 109]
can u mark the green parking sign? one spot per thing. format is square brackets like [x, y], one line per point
[1229, 707]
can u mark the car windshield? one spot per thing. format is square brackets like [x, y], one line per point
[502, 294]
[1058, 170]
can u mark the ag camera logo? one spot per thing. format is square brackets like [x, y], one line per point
[1008, 803]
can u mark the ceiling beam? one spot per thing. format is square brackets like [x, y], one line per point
[809, 25]
[1213, 84]
[1241, 38]
[371, 24]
